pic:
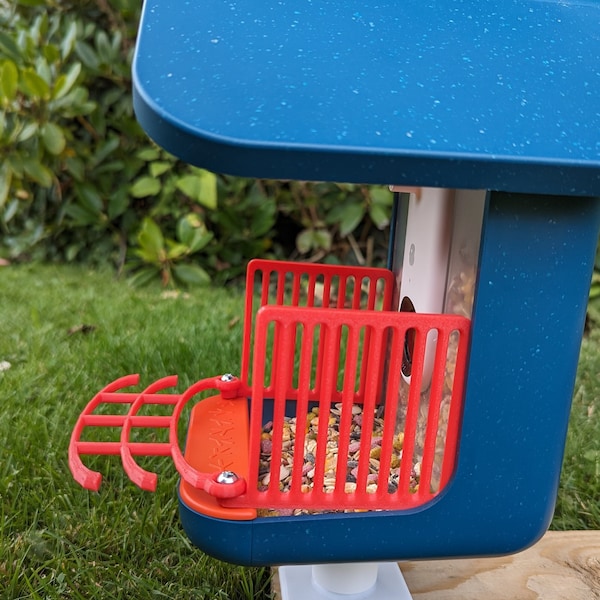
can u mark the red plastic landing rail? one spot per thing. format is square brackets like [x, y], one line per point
[127, 449]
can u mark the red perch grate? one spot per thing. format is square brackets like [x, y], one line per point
[326, 421]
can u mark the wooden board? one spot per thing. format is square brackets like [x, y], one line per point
[563, 565]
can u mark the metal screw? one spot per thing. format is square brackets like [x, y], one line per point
[227, 477]
[227, 377]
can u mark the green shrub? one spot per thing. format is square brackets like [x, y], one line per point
[594, 297]
[67, 134]
[81, 181]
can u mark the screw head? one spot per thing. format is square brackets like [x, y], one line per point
[227, 477]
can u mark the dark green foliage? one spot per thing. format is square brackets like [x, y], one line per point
[68, 134]
[80, 180]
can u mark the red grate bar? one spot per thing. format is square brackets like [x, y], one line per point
[133, 420]
[114, 448]
[349, 339]
[88, 418]
[285, 283]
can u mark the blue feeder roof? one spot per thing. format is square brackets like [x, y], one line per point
[449, 93]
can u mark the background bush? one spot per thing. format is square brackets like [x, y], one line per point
[81, 181]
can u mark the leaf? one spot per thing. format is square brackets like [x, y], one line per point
[200, 186]
[322, 239]
[145, 186]
[305, 241]
[53, 138]
[113, 166]
[151, 240]
[76, 167]
[9, 80]
[186, 228]
[105, 150]
[37, 172]
[104, 48]
[89, 198]
[148, 154]
[313, 239]
[42, 68]
[5, 181]
[191, 274]
[190, 185]
[351, 217]
[201, 240]
[39, 28]
[263, 220]
[117, 204]
[381, 196]
[11, 210]
[159, 167]
[81, 215]
[192, 232]
[51, 53]
[379, 215]
[65, 81]
[87, 55]
[68, 42]
[9, 47]
[72, 251]
[75, 103]
[27, 132]
[175, 250]
[144, 276]
[33, 85]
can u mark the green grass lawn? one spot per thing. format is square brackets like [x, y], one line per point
[578, 504]
[56, 539]
[60, 541]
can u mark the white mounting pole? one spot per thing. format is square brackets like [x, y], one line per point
[345, 581]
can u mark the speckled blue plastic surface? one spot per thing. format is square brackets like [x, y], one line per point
[473, 93]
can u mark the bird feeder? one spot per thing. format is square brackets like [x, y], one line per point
[418, 411]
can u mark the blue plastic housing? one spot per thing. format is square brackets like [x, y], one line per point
[535, 265]
[479, 93]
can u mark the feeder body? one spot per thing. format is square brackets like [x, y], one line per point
[469, 96]
[535, 264]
